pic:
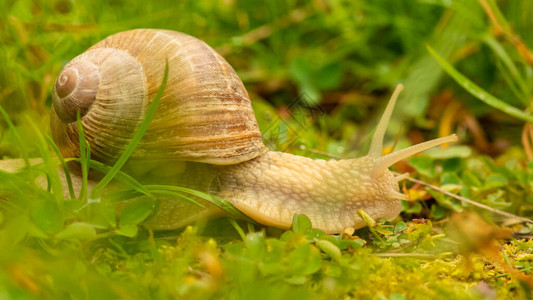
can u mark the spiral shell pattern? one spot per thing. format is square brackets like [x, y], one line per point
[204, 115]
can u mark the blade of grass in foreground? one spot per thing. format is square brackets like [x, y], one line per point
[118, 196]
[17, 136]
[514, 75]
[477, 91]
[119, 176]
[50, 166]
[63, 164]
[134, 142]
[221, 203]
[85, 156]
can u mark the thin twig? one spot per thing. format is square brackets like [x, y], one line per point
[463, 199]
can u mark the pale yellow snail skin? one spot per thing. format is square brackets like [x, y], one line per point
[205, 136]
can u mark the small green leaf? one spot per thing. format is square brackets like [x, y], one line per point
[496, 180]
[314, 234]
[137, 211]
[451, 164]
[129, 230]
[335, 239]
[77, 231]
[133, 214]
[235, 249]
[305, 260]
[301, 224]
[330, 249]
[102, 214]
[450, 178]
[287, 236]
[424, 165]
[470, 179]
[271, 262]
[255, 245]
[400, 226]
[358, 243]
[411, 207]
[447, 201]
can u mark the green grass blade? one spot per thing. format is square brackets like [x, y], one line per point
[517, 80]
[177, 195]
[498, 14]
[17, 136]
[120, 177]
[220, 202]
[50, 165]
[477, 91]
[84, 160]
[64, 165]
[122, 195]
[238, 229]
[135, 141]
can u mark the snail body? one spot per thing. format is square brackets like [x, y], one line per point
[205, 133]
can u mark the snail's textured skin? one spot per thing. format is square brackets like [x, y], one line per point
[272, 188]
[204, 135]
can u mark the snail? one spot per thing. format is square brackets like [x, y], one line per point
[205, 136]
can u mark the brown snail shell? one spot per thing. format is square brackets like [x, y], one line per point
[205, 114]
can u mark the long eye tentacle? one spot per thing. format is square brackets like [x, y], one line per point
[376, 146]
[388, 160]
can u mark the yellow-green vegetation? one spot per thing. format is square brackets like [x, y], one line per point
[318, 73]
